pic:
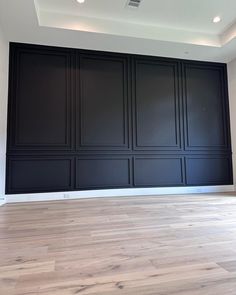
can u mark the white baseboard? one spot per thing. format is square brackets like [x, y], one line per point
[2, 200]
[118, 193]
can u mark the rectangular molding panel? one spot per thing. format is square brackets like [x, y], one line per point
[85, 120]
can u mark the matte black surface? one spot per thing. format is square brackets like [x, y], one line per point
[94, 172]
[102, 100]
[205, 107]
[156, 105]
[84, 120]
[202, 170]
[39, 174]
[41, 100]
[156, 171]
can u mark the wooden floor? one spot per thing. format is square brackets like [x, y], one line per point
[135, 246]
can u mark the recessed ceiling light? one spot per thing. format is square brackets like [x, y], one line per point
[80, 1]
[216, 19]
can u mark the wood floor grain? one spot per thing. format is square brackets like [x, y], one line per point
[165, 245]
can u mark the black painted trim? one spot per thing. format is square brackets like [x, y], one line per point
[225, 106]
[176, 69]
[10, 160]
[80, 145]
[12, 141]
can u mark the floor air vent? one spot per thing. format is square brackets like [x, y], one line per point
[134, 3]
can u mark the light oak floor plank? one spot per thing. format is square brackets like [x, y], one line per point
[150, 245]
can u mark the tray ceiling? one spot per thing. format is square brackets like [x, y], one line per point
[182, 28]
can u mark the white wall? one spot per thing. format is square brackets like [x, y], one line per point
[232, 104]
[4, 49]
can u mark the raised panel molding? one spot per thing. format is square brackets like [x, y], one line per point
[100, 120]
[206, 115]
[156, 104]
[102, 98]
[34, 174]
[208, 170]
[40, 98]
[158, 171]
[103, 172]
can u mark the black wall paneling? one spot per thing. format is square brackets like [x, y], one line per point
[40, 174]
[205, 101]
[40, 98]
[81, 119]
[158, 171]
[102, 102]
[211, 170]
[156, 104]
[103, 172]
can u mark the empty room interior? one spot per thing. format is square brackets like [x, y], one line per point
[118, 147]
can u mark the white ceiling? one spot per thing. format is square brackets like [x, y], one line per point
[190, 15]
[172, 28]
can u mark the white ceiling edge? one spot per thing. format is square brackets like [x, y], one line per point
[20, 24]
[110, 43]
[137, 30]
[112, 27]
[228, 35]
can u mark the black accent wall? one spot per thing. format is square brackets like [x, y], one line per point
[88, 120]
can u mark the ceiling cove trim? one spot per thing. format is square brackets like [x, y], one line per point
[127, 29]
